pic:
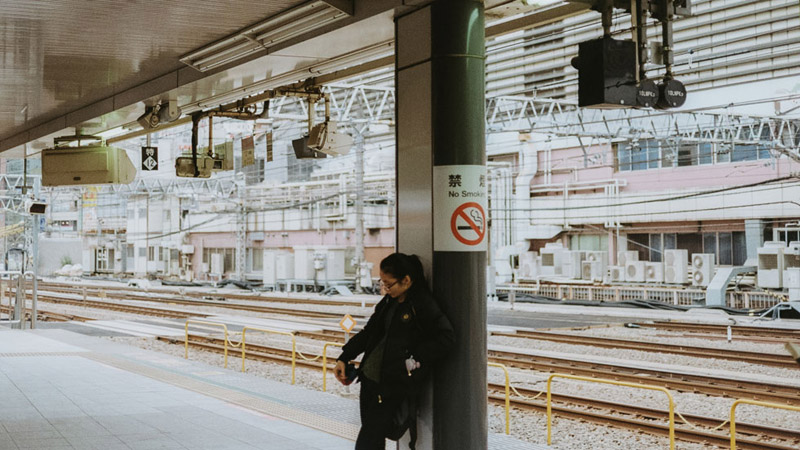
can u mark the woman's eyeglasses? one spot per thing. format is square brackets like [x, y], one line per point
[388, 286]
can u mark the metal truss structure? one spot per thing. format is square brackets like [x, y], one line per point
[561, 118]
[20, 234]
[185, 187]
[349, 103]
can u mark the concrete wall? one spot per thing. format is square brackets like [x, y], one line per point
[51, 252]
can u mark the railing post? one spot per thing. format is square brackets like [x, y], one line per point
[325, 363]
[756, 403]
[508, 396]
[266, 330]
[616, 383]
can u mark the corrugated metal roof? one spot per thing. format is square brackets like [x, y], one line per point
[59, 55]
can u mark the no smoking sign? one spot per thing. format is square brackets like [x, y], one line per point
[468, 223]
[459, 208]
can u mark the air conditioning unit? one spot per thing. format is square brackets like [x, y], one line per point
[98, 164]
[553, 256]
[593, 270]
[653, 272]
[791, 260]
[528, 266]
[628, 255]
[617, 273]
[571, 267]
[634, 271]
[284, 266]
[703, 265]
[601, 257]
[676, 266]
[770, 265]
[791, 280]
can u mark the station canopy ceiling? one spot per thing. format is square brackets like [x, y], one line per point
[68, 65]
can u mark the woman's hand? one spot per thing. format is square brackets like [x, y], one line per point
[339, 372]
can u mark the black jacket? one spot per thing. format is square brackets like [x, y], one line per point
[418, 329]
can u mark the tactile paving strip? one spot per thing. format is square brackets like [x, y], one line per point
[345, 430]
[43, 354]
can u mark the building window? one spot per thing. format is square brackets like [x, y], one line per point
[638, 155]
[223, 256]
[588, 242]
[651, 246]
[646, 154]
[729, 248]
[255, 260]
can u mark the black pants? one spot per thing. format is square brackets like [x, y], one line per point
[376, 416]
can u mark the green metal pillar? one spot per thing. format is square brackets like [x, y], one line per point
[441, 196]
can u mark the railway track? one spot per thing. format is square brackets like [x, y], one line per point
[111, 306]
[682, 382]
[648, 420]
[652, 421]
[767, 359]
[43, 293]
[736, 330]
[132, 293]
[49, 316]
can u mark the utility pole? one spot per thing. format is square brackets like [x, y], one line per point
[359, 257]
[241, 229]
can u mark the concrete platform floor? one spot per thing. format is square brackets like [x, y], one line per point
[63, 390]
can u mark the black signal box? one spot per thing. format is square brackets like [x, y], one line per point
[606, 73]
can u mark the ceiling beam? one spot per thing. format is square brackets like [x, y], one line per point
[345, 6]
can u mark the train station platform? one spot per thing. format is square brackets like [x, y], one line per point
[64, 390]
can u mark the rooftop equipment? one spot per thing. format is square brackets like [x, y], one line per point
[634, 271]
[703, 265]
[770, 265]
[653, 272]
[676, 266]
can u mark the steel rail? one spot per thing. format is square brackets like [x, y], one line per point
[767, 359]
[645, 412]
[681, 382]
[226, 295]
[235, 306]
[647, 426]
[141, 310]
[737, 330]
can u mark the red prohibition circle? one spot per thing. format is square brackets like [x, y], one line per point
[459, 212]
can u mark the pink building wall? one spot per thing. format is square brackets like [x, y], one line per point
[568, 166]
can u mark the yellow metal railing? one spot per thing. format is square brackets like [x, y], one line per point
[756, 403]
[265, 330]
[617, 383]
[186, 337]
[508, 396]
[325, 363]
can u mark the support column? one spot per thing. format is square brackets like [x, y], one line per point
[440, 155]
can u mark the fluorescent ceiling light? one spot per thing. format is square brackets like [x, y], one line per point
[264, 35]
